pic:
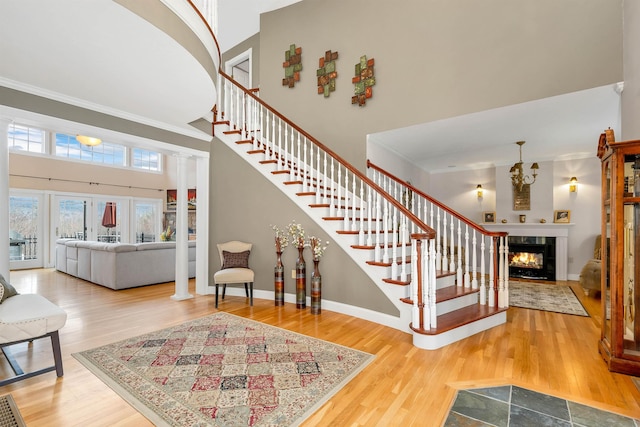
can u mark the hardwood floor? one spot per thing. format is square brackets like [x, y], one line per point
[551, 353]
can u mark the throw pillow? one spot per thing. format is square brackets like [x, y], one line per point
[7, 290]
[235, 259]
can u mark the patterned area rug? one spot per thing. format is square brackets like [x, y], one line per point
[540, 296]
[225, 370]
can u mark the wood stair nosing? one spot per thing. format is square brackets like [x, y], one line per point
[245, 141]
[448, 293]
[232, 132]
[388, 264]
[460, 317]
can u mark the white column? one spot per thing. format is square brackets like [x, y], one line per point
[202, 226]
[182, 233]
[4, 198]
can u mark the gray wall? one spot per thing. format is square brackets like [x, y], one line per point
[631, 93]
[434, 59]
[245, 206]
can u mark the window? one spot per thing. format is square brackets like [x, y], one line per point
[105, 153]
[24, 138]
[145, 159]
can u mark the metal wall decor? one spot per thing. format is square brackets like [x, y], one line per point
[522, 198]
[364, 80]
[327, 73]
[292, 65]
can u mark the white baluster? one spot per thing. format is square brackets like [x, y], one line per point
[492, 296]
[394, 245]
[370, 218]
[362, 212]
[339, 192]
[505, 262]
[318, 177]
[345, 221]
[483, 288]
[298, 157]
[466, 256]
[415, 309]
[501, 267]
[305, 168]
[452, 251]
[385, 252]
[445, 247]
[459, 256]
[376, 253]
[403, 249]
[439, 238]
[332, 205]
[354, 222]
[474, 268]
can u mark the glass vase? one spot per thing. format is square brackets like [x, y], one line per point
[279, 280]
[301, 280]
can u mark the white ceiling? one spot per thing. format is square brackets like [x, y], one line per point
[98, 55]
[562, 127]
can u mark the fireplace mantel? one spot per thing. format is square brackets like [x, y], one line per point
[559, 231]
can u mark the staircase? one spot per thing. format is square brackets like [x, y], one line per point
[416, 250]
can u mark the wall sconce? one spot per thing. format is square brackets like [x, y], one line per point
[479, 191]
[573, 185]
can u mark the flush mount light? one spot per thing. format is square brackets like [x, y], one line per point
[88, 140]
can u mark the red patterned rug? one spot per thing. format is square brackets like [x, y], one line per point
[225, 370]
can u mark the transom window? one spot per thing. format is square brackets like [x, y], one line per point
[26, 139]
[105, 153]
[145, 159]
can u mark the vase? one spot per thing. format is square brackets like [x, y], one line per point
[316, 288]
[301, 280]
[279, 280]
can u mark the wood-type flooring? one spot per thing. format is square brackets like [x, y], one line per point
[546, 352]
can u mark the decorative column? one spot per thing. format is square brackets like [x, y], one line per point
[202, 226]
[4, 197]
[182, 233]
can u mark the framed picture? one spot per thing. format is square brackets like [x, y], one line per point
[489, 217]
[561, 216]
[172, 199]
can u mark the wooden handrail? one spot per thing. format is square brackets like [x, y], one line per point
[210, 31]
[423, 226]
[437, 203]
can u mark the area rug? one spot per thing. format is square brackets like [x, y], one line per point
[540, 296]
[225, 370]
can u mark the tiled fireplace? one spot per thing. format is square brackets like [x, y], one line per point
[538, 237]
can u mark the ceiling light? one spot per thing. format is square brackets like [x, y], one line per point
[88, 140]
[518, 178]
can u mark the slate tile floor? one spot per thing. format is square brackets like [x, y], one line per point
[511, 406]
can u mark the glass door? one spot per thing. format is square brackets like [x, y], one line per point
[26, 219]
[71, 218]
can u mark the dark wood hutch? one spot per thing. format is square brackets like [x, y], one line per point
[620, 279]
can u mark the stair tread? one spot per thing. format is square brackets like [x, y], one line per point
[460, 317]
[448, 293]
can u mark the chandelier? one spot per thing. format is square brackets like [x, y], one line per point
[518, 178]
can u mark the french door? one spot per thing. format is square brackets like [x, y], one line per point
[26, 230]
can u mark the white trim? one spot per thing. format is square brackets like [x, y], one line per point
[246, 55]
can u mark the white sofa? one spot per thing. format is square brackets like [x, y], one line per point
[121, 265]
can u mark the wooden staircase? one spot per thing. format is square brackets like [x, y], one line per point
[441, 299]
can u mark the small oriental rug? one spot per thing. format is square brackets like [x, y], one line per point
[225, 370]
[540, 296]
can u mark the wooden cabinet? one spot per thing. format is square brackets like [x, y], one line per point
[620, 278]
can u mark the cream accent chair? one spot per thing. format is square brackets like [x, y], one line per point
[591, 273]
[25, 318]
[234, 259]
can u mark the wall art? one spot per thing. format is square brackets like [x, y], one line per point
[364, 80]
[327, 73]
[292, 65]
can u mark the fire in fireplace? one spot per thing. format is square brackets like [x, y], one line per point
[526, 260]
[532, 257]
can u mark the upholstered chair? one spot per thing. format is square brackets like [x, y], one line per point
[591, 273]
[234, 259]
